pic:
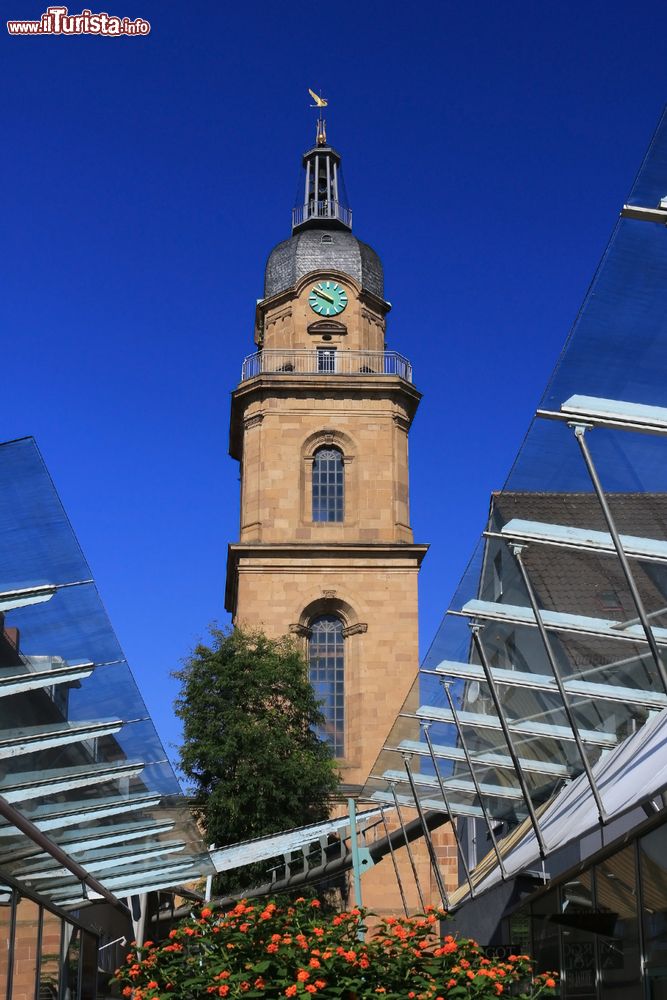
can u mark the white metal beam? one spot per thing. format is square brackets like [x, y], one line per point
[13, 683]
[522, 727]
[16, 742]
[36, 784]
[485, 758]
[86, 811]
[559, 621]
[457, 785]
[546, 683]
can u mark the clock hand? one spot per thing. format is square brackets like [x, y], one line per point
[326, 296]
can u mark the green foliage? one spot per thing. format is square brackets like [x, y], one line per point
[249, 749]
[273, 951]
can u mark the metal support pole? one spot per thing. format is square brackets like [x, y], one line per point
[443, 791]
[395, 864]
[481, 652]
[329, 212]
[464, 747]
[579, 433]
[335, 185]
[407, 846]
[427, 835]
[306, 201]
[316, 190]
[354, 844]
[546, 642]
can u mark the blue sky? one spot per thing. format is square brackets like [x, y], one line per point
[487, 150]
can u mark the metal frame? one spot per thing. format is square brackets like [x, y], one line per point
[445, 798]
[407, 845]
[483, 757]
[481, 652]
[548, 649]
[528, 728]
[546, 684]
[579, 433]
[427, 836]
[395, 864]
[480, 798]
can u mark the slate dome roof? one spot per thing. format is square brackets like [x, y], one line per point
[322, 250]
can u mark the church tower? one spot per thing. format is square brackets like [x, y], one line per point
[320, 424]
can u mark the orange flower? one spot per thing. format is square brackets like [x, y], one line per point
[550, 983]
[259, 983]
[207, 912]
[310, 988]
[302, 975]
[265, 915]
[152, 985]
[327, 954]
[291, 990]
[449, 947]
[314, 963]
[451, 982]
[223, 990]
[245, 985]
[320, 983]
[318, 931]
[301, 899]
[272, 948]
[127, 992]
[315, 902]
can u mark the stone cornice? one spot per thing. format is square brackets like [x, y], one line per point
[283, 386]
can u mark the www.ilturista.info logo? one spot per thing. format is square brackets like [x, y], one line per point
[58, 21]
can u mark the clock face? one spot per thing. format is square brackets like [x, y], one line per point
[327, 298]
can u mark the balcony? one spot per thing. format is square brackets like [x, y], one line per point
[326, 361]
[328, 209]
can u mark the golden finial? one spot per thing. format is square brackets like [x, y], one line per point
[320, 102]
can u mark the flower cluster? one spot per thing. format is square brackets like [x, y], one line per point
[273, 951]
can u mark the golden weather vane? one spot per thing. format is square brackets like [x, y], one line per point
[320, 102]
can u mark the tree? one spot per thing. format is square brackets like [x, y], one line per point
[249, 749]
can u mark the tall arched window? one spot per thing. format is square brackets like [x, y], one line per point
[328, 485]
[326, 660]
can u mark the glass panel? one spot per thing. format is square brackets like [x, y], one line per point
[578, 920]
[326, 659]
[546, 942]
[89, 967]
[49, 966]
[653, 873]
[71, 948]
[26, 942]
[618, 928]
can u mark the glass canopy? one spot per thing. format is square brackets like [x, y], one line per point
[544, 688]
[79, 754]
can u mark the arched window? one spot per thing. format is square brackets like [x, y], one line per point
[326, 661]
[328, 485]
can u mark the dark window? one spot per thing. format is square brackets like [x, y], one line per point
[328, 485]
[326, 660]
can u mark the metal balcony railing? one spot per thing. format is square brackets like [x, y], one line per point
[326, 361]
[328, 209]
